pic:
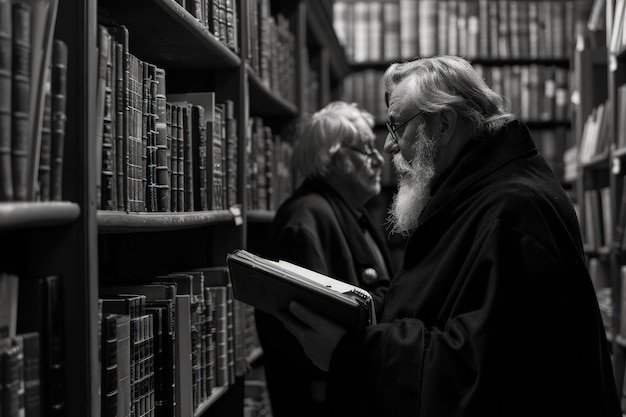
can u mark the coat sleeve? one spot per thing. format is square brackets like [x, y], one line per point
[498, 348]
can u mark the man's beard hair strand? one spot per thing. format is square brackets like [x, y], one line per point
[414, 184]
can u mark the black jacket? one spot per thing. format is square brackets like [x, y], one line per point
[315, 228]
[493, 312]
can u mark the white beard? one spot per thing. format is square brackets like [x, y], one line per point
[414, 184]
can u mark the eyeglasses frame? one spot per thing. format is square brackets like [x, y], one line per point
[393, 129]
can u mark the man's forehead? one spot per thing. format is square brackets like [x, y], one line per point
[397, 96]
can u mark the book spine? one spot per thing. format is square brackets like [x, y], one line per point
[199, 157]
[12, 360]
[231, 152]
[151, 149]
[6, 77]
[135, 141]
[108, 360]
[32, 380]
[109, 168]
[122, 115]
[46, 148]
[209, 299]
[59, 116]
[219, 158]
[163, 184]
[180, 143]
[123, 366]
[188, 161]
[20, 128]
[172, 129]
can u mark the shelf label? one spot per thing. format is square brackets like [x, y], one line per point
[612, 63]
[236, 212]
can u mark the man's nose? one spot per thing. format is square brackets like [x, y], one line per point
[390, 146]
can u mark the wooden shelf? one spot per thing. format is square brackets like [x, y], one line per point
[164, 33]
[123, 222]
[21, 215]
[265, 102]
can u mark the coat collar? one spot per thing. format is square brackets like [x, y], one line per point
[478, 159]
[353, 222]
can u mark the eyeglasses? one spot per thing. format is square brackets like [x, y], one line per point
[392, 129]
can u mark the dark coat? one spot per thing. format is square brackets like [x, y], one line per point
[316, 229]
[493, 312]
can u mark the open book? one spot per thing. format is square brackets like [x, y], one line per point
[271, 285]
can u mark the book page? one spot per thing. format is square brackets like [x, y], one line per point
[322, 279]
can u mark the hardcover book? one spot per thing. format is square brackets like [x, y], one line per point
[270, 285]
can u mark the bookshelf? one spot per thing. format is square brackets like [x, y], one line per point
[239, 58]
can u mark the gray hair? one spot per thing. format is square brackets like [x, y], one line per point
[451, 82]
[323, 133]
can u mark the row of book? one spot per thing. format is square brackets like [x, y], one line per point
[32, 346]
[489, 29]
[272, 49]
[33, 90]
[617, 38]
[311, 86]
[598, 223]
[620, 108]
[175, 152]
[168, 343]
[536, 92]
[594, 140]
[219, 17]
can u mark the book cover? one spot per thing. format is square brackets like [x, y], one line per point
[59, 115]
[20, 123]
[271, 285]
[6, 93]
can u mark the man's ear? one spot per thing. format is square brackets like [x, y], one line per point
[447, 125]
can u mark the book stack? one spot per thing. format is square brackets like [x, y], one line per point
[268, 161]
[271, 49]
[201, 339]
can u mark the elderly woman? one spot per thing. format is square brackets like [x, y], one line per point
[324, 227]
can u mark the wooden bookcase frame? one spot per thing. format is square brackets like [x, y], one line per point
[74, 239]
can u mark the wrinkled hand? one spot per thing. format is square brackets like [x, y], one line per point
[317, 335]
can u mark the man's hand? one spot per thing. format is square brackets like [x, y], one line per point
[317, 335]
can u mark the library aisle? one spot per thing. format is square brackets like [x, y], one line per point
[142, 141]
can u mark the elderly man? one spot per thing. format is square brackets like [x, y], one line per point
[493, 312]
